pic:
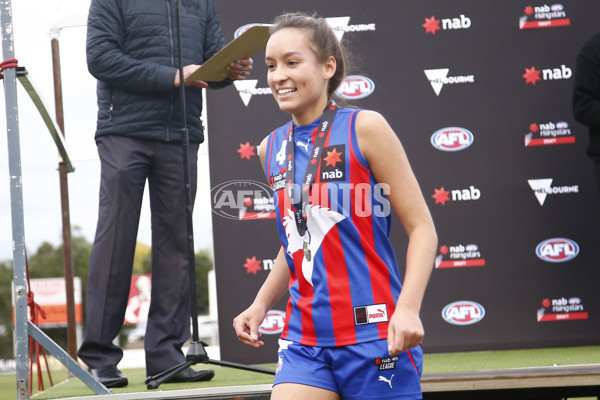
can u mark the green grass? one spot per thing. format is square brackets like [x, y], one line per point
[434, 363]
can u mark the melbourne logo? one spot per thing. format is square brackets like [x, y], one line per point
[432, 24]
[441, 195]
[463, 312]
[247, 88]
[557, 250]
[273, 323]
[562, 309]
[240, 200]
[549, 133]
[439, 77]
[458, 256]
[544, 17]
[532, 75]
[355, 87]
[341, 25]
[543, 187]
[451, 139]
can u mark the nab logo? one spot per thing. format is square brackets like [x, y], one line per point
[355, 87]
[463, 312]
[273, 323]
[557, 250]
[432, 24]
[451, 139]
[532, 75]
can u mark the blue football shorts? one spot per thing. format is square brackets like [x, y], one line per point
[360, 371]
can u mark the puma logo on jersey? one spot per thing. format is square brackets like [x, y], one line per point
[305, 145]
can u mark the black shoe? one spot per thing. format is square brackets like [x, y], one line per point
[191, 375]
[109, 376]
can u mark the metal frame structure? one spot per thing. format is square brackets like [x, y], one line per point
[23, 328]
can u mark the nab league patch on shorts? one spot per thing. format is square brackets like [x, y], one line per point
[370, 314]
[333, 163]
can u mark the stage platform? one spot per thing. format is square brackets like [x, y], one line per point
[547, 383]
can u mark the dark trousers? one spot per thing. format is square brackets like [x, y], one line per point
[126, 165]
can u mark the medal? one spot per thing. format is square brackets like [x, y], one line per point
[307, 252]
[310, 174]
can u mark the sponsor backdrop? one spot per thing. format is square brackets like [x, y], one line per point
[480, 95]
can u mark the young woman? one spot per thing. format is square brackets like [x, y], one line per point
[352, 330]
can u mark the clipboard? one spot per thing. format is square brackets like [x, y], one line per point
[246, 45]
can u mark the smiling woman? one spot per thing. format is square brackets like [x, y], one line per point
[328, 169]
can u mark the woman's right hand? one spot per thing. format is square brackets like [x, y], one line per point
[246, 326]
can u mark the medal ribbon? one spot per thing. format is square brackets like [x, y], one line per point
[311, 168]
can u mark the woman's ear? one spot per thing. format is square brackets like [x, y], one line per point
[330, 67]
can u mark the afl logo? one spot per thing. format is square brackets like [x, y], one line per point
[273, 323]
[557, 250]
[463, 312]
[355, 87]
[243, 29]
[451, 139]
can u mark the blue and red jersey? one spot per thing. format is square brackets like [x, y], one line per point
[346, 291]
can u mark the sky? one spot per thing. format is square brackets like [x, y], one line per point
[33, 21]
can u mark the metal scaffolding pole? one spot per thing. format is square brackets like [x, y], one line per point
[23, 329]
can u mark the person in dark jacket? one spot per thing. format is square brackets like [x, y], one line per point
[586, 96]
[132, 50]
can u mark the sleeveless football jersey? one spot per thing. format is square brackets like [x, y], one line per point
[346, 291]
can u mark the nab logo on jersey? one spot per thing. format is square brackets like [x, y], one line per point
[333, 163]
[557, 250]
[355, 87]
[273, 323]
[451, 139]
[463, 312]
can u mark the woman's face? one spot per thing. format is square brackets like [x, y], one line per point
[298, 80]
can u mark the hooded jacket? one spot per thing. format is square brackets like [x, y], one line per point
[132, 50]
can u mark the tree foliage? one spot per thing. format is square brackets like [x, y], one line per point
[47, 262]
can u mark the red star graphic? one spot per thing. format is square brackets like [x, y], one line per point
[431, 25]
[321, 134]
[528, 10]
[441, 196]
[333, 157]
[252, 265]
[444, 250]
[546, 302]
[377, 361]
[248, 201]
[531, 75]
[533, 127]
[246, 151]
[313, 161]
